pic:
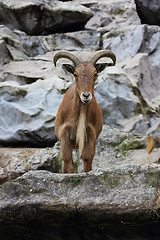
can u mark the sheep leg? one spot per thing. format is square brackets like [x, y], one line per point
[66, 151]
[150, 144]
[87, 156]
[89, 150]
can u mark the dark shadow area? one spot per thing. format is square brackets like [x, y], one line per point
[77, 231]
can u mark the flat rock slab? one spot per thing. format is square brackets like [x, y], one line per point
[120, 202]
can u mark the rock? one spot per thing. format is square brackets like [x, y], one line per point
[100, 18]
[119, 41]
[39, 18]
[120, 198]
[131, 89]
[117, 149]
[21, 46]
[30, 94]
[38, 80]
[114, 149]
[26, 66]
[13, 45]
[27, 72]
[15, 162]
[4, 57]
[148, 11]
[112, 15]
[55, 204]
[144, 39]
[154, 130]
[114, 92]
[33, 108]
[39, 45]
[5, 36]
[147, 77]
[79, 40]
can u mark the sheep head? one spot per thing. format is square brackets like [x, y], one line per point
[85, 72]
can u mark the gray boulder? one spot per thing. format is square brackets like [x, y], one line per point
[19, 46]
[148, 11]
[114, 204]
[43, 17]
[109, 15]
[15, 162]
[114, 91]
[13, 43]
[128, 41]
[32, 91]
[144, 74]
[86, 40]
[127, 93]
[27, 113]
[4, 56]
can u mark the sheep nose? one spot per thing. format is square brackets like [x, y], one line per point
[86, 97]
[86, 94]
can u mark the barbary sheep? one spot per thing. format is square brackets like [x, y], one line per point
[79, 119]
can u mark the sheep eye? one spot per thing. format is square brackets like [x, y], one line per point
[76, 75]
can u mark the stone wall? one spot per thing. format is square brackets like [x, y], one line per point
[31, 89]
[120, 198]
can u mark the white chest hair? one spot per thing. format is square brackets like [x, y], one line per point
[81, 132]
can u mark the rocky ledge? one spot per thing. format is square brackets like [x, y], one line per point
[114, 204]
[119, 199]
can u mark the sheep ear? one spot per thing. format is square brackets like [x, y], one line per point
[101, 66]
[69, 68]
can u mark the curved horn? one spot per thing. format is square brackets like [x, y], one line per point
[101, 54]
[68, 55]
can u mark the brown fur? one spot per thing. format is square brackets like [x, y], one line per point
[151, 144]
[78, 125]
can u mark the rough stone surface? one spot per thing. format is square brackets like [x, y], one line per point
[19, 105]
[43, 17]
[148, 11]
[120, 198]
[4, 58]
[27, 72]
[125, 204]
[15, 162]
[144, 39]
[114, 149]
[126, 87]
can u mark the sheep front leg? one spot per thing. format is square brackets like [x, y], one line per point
[89, 150]
[87, 157]
[66, 151]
